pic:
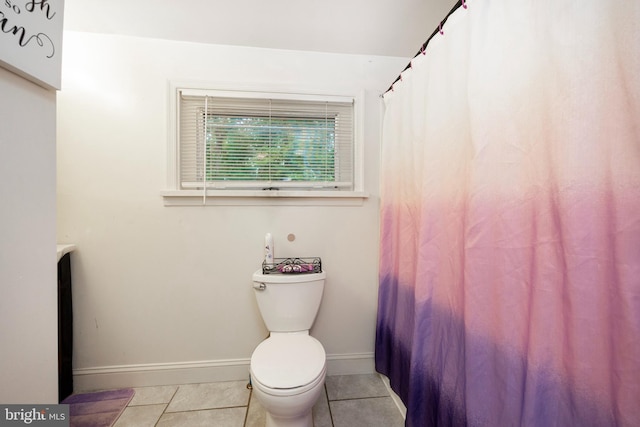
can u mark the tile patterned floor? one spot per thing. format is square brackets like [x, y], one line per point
[348, 401]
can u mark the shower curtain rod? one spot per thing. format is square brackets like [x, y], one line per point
[423, 49]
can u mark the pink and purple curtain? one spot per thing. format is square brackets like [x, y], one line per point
[510, 220]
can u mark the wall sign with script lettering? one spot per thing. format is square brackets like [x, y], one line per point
[31, 39]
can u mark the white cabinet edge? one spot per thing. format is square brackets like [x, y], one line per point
[64, 249]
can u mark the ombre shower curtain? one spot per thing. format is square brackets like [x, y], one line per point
[510, 219]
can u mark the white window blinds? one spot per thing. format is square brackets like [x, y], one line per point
[265, 141]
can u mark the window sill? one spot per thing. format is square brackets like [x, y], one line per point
[263, 198]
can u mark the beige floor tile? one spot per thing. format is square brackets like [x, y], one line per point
[341, 387]
[140, 416]
[374, 412]
[346, 401]
[256, 415]
[193, 397]
[153, 395]
[229, 417]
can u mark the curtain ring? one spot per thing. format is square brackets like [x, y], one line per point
[464, 3]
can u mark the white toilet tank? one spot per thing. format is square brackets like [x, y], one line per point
[288, 302]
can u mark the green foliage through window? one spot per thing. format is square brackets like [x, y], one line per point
[270, 148]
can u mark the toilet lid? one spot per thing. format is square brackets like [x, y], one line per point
[288, 361]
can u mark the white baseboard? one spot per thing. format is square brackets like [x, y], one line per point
[155, 374]
[350, 364]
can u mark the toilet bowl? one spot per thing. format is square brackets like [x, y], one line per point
[287, 374]
[288, 369]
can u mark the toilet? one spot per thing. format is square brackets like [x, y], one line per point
[289, 367]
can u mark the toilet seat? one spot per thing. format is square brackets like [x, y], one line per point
[288, 363]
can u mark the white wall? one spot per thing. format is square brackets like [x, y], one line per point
[162, 294]
[28, 285]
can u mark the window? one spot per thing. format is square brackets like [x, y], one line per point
[250, 141]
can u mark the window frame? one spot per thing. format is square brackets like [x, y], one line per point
[175, 195]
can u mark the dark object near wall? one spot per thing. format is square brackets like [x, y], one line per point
[65, 329]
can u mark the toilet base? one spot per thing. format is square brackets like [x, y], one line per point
[305, 420]
[294, 410]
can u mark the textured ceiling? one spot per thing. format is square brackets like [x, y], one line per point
[370, 27]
